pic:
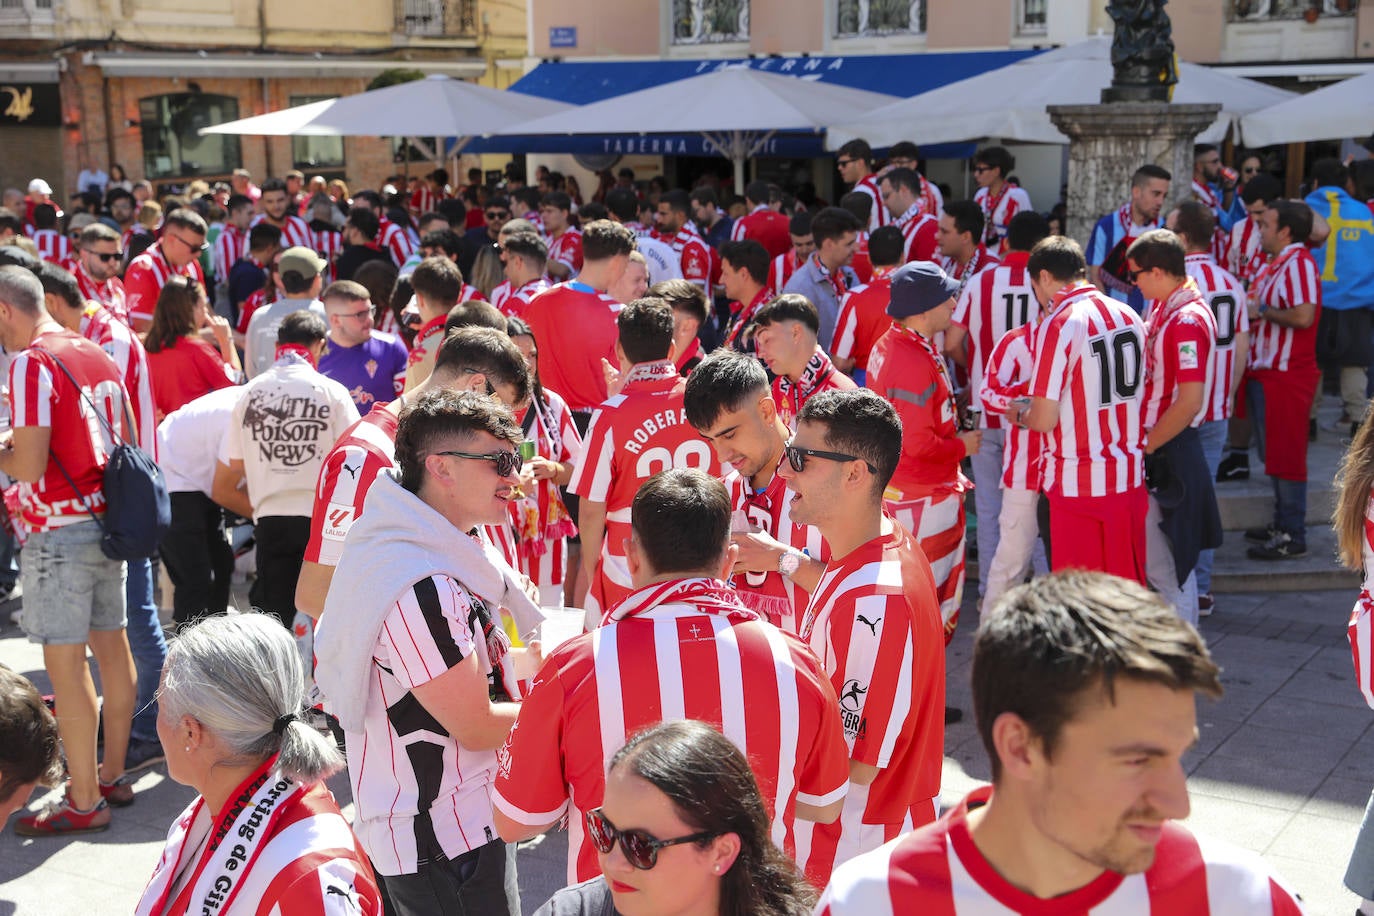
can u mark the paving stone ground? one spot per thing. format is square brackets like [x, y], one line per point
[1284, 767]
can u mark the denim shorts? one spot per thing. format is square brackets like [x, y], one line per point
[70, 587]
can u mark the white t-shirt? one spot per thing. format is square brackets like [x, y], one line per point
[189, 440]
[664, 262]
[284, 425]
[260, 343]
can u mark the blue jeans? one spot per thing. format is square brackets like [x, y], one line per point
[1212, 436]
[147, 644]
[1290, 507]
[987, 500]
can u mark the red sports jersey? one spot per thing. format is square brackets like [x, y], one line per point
[1244, 255]
[1180, 335]
[328, 244]
[863, 319]
[997, 301]
[861, 263]
[110, 294]
[819, 375]
[1225, 296]
[922, 234]
[1360, 630]
[146, 276]
[772, 594]
[425, 199]
[575, 325]
[633, 436]
[366, 449]
[52, 245]
[1289, 280]
[1221, 240]
[1089, 356]
[695, 256]
[256, 300]
[781, 269]
[230, 245]
[81, 421]
[739, 333]
[395, 240]
[124, 347]
[540, 519]
[907, 370]
[878, 214]
[514, 302]
[683, 649]
[766, 227]
[294, 230]
[982, 259]
[874, 624]
[998, 211]
[1007, 376]
[566, 249]
[939, 870]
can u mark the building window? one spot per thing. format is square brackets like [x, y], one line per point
[1263, 10]
[876, 18]
[702, 22]
[315, 152]
[1031, 16]
[172, 144]
[436, 18]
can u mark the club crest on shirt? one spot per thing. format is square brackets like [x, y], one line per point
[371, 367]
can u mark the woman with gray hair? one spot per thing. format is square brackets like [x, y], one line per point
[264, 834]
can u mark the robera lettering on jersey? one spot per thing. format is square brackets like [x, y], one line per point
[286, 429]
[657, 423]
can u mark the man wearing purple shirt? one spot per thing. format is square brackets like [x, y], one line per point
[370, 364]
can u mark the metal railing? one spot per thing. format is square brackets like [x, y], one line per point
[437, 18]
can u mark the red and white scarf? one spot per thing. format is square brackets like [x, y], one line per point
[657, 371]
[817, 371]
[710, 596]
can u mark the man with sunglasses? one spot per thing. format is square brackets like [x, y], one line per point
[999, 199]
[411, 648]
[97, 270]
[874, 622]
[177, 252]
[496, 214]
[717, 662]
[854, 161]
[926, 494]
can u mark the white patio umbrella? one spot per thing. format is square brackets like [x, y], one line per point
[736, 109]
[437, 106]
[1010, 102]
[1344, 109]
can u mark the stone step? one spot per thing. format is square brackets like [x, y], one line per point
[1250, 503]
[1233, 571]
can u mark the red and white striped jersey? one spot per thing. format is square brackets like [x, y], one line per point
[878, 215]
[781, 269]
[998, 211]
[566, 249]
[230, 245]
[939, 870]
[780, 600]
[294, 230]
[921, 231]
[982, 259]
[398, 241]
[875, 624]
[633, 436]
[1289, 280]
[404, 762]
[41, 395]
[861, 263]
[1360, 630]
[1180, 336]
[819, 375]
[1007, 376]
[1226, 297]
[1221, 240]
[1244, 254]
[425, 199]
[863, 319]
[513, 301]
[540, 520]
[697, 259]
[683, 649]
[146, 276]
[993, 303]
[123, 346]
[52, 245]
[366, 449]
[1089, 356]
[328, 244]
[109, 294]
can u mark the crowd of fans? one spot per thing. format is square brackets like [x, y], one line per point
[738, 446]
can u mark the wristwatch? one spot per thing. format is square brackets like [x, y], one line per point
[789, 561]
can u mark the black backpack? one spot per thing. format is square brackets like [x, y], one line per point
[138, 511]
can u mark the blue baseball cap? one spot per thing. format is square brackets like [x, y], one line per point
[918, 287]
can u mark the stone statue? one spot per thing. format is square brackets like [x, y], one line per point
[1144, 66]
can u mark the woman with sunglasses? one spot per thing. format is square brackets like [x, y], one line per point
[182, 364]
[682, 829]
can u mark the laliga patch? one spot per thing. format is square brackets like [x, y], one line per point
[337, 521]
[1187, 355]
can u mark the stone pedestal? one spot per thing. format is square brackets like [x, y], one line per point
[1107, 143]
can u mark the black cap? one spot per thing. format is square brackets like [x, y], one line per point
[918, 287]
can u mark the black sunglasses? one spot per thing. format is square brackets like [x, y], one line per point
[841, 163]
[507, 463]
[115, 256]
[641, 850]
[498, 214]
[796, 456]
[1133, 274]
